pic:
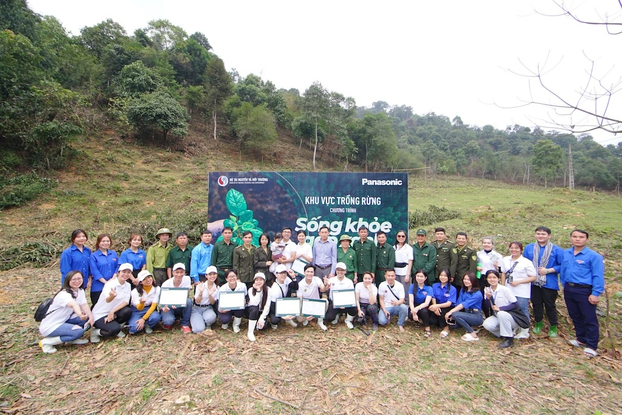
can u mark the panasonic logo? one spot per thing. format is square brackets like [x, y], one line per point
[394, 182]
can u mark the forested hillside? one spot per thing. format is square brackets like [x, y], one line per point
[158, 83]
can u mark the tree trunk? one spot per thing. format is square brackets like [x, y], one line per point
[215, 125]
[315, 148]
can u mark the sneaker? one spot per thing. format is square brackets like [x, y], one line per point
[322, 326]
[120, 335]
[589, 353]
[349, 324]
[79, 341]
[537, 328]
[225, 327]
[274, 326]
[335, 321]
[305, 322]
[166, 326]
[576, 343]
[508, 342]
[522, 334]
[553, 331]
[292, 323]
[374, 327]
[469, 338]
[95, 335]
[186, 329]
[148, 330]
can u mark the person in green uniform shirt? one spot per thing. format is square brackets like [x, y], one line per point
[385, 259]
[366, 252]
[446, 258]
[424, 256]
[181, 253]
[157, 254]
[347, 255]
[467, 260]
[243, 257]
[222, 254]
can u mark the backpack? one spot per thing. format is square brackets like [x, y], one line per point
[42, 311]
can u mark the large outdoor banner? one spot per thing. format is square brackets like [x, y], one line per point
[268, 201]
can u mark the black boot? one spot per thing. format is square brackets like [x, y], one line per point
[507, 342]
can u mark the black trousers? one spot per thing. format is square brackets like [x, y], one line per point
[542, 298]
[112, 328]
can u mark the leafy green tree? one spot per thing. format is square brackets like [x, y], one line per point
[158, 111]
[18, 18]
[164, 35]
[547, 159]
[136, 79]
[255, 128]
[98, 37]
[201, 39]
[189, 59]
[315, 104]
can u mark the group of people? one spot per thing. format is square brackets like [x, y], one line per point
[435, 284]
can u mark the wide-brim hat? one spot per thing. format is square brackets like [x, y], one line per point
[164, 230]
[345, 238]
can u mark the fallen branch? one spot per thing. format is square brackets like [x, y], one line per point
[277, 399]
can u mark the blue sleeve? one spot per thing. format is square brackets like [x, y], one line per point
[65, 264]
[528, 252]
[194, 264]
[564, 266]
[122, 260]
[598, 274]
[473, 300]
[93, 266]
[555, 260]
[410, 289]
[452, 294]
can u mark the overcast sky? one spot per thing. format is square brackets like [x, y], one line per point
[454, 57]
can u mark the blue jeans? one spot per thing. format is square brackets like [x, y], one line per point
[523, 304]
[202, 317]
[153, 319]
[168, 317]
[70, 330]
[397, 310]
[467, 320]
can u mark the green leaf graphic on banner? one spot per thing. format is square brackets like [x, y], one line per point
[245, 216]
[235, 202]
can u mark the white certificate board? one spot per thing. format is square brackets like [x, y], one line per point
[298, 266]
[343, 298]
[170, 296]
[287, 307]
[313, 308]
[232, 300]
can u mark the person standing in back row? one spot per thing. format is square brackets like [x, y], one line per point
[324, 255]
[157, 254]
[446, 258]
[385, 258]
[366, 253]
[180, 253]
[424, 256]
[583, 279]
[201, 258]
[222, 254]
[547, 259]
[466, 260]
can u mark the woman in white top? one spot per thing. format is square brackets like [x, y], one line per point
[206, 294]
[67, 315]
[310, 287]
[112, 309]
[339, 282]
[225, 316]
[144, 303]
[403, 259]
[284, 283]
[501, 324]
[303, 249]
[258, 305]
[487, 259]
[366, 294]
[517, 274]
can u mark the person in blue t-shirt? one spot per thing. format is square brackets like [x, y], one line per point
[135, 256]
[419, 298]
[76, 258]
[583, 278]
[443, 300]
[468, 312]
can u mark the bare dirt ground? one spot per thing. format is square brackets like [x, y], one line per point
[294, 370]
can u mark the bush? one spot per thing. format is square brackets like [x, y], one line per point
[18, 190]
[38, 254]
[434, 214]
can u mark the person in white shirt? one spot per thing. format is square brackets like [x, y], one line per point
[67, 315]
[339, 282]
[366, 304]
[403, 259]
[502, 324]
[284, 284]
[517, 274]
[289, 253]
[310, 287]
[144, 303]
[225, 316]
[206, 294]
[487, 259]
[112, 309]
[258, 305]
[392, 298]
[170, 314]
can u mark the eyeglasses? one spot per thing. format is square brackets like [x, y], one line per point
[401, 236]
